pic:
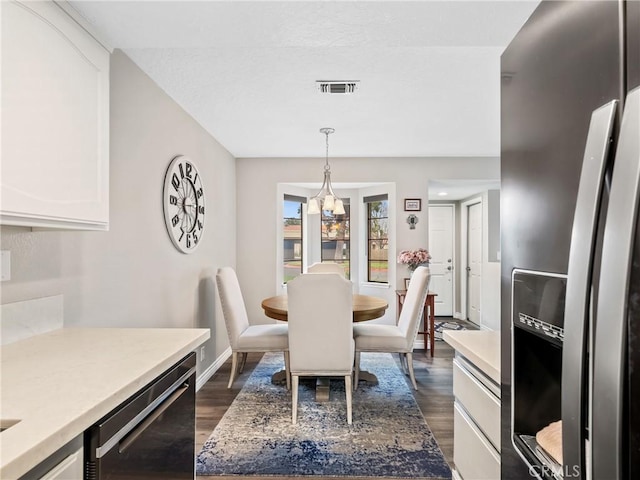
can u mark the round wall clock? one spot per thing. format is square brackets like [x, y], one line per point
[183, 203]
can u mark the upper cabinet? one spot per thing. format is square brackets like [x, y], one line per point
[55, 120]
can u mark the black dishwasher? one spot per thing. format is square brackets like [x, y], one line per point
[151, 435]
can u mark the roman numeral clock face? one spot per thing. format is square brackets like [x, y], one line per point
[183, 202]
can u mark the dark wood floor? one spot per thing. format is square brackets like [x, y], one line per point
[434, 396]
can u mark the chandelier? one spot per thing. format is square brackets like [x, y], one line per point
[325, 198]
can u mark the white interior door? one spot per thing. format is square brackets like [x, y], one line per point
[441, 250]
[474, 262]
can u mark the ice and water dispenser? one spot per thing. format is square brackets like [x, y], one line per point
[538, 301]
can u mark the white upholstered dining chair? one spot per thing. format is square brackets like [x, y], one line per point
[326, 267]
[320, 332]
[396, 338]
[244, 337]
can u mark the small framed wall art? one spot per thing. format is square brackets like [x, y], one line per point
[412, 204]
[406, 283]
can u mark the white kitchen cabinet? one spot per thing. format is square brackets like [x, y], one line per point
[476, 416]
[473, 455]
[476, 436]
[479, 396]
[55, 120]
[67, 463]
[71, 468]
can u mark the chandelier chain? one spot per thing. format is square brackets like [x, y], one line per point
[326, 199]
[327, 167]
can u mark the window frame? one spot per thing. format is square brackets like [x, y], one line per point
[302, 202]
[368, 201]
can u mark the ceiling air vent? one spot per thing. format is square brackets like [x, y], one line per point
[337, 87]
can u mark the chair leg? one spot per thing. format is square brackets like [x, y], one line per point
[409, 356]
[347, 388]
[294, 399]
[287, 371]
[244, 360]
[234, 367]
[357, 376]
[403, 362]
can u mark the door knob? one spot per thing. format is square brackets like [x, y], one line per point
[468, 269]
[449, 268]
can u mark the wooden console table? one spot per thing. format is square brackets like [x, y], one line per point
[428, 318]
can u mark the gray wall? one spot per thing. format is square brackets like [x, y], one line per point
[493, 197]
[132, 276]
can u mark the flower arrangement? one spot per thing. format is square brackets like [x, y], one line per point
[414, 258]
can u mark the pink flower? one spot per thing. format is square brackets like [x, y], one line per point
[414, 258]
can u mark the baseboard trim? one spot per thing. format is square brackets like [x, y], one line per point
[458, 316]
[419, 344]
[213, 368]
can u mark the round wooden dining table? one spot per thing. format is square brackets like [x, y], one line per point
[365, 307]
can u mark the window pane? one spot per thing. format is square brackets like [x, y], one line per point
[377, 245]
[346, 267]
[379, 228]
[379, 209]
[335, 251]
[292, 248]
[336, 243]
[337, 229]
[379, 271]
[378, 250]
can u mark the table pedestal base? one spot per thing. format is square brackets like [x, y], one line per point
[322, 389]
[368, 377]
[323, 383]
[279, 378]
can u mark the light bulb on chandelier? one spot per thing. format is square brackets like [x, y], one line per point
[326, 199]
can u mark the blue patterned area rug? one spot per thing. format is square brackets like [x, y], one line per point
[388, 437]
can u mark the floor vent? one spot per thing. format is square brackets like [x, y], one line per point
[337, 87]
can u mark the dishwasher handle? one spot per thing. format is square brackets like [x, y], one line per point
[141, 427]
[178, 386]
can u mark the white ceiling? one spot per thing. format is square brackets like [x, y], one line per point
[246, 70]
[457, 189]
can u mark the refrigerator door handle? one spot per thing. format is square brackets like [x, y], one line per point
[576, 315]
[607, 441]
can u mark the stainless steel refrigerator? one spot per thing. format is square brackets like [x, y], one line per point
[570, 281]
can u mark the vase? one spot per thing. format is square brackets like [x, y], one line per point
[425, 264]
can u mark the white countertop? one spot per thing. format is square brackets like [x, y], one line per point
[60, 383]
[482, 348]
